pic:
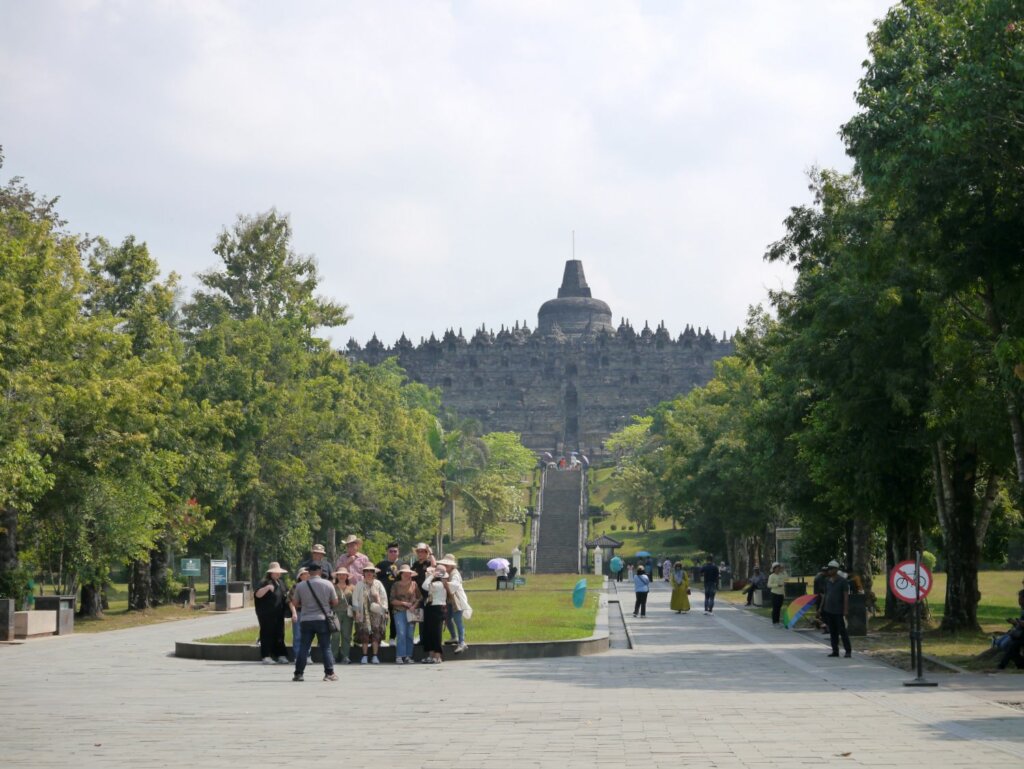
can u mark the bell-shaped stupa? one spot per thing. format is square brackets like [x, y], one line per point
[575, 311]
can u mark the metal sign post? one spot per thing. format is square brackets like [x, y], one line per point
[898, 580]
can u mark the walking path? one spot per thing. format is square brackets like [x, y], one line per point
[726, 690]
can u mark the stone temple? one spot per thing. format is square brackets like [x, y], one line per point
[566, 385]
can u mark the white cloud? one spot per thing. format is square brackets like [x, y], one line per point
[436, 156]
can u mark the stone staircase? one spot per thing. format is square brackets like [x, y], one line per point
[558, 538]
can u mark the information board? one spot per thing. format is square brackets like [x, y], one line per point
[218, 575]
[190, 567]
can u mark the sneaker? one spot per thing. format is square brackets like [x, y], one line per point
[297, 677]
[345, 661]
[461, 648]
[451, 642]
[427, 661]
[408, 660]
[848, 655]
[281, 660]
[363, 661]
[331, 677]
[267, 661]
[399, 660]
[384, 644]
[635, 615]
[374, 660]
[834, 654]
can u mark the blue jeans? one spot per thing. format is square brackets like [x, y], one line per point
[322, 631]
[709, 596]
[453, 623]
[404, 636]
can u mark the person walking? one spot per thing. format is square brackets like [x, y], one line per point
[777, 584]
[835, 609]
[271, 601]
[709, 574]
[406, 600]
[642, 587]
[370, 604]
[680, 601]
[313, 599]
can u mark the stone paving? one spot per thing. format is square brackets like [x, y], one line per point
[721, 691]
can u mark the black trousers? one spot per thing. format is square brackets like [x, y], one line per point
[272, 635]
[1012, 654]
[433, 624]
[641, 605]
[777, 601]
[836, 630]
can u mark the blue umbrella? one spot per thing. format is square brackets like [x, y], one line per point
[579, 593]
[642, 553]
[615, 564]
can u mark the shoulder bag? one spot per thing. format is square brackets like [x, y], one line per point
[332, 621]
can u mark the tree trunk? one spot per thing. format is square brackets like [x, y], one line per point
[860, 556]
[955, 478]
[160, 574]
[140, 586]
[995, 326]
[8, 541]
[92, 602]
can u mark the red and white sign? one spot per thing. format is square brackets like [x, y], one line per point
[903, 584]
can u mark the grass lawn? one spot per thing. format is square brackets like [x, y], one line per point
[117, 617]
[540, 610]
[998, 601]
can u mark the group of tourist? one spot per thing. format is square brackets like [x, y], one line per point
[356, 601]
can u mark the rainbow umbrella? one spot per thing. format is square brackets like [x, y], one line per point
[796, 609]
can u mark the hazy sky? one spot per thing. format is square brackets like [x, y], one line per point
[436, 156]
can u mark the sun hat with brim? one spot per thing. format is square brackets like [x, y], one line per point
[351, 538]
[275, 568]
[318, 549]
[776, 565]
[833, 564]
[302, 571]
[341, 570]
[405, 569]
[369, 567]
[448, 561]
[422, 546]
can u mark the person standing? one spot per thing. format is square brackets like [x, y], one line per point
[423, 564]
[318, 555]
[835, 609]
[642, 587]
[820, 581]
[405, 597]
[342, 640]
[777, 584]
[433, 614]
[710, 575]
[300, 576]
[680, 589]
[271, 601]
[370, 604]
[353, 560]
[459, 609]
[387, 575]
[666, 570]
[314, 598]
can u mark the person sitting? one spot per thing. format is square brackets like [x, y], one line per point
[757, 582]
[1011, 645]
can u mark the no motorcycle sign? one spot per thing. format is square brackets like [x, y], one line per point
[903, 584]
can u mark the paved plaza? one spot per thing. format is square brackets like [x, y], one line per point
[696, 691]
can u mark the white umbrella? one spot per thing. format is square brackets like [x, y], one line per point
[497, 563]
